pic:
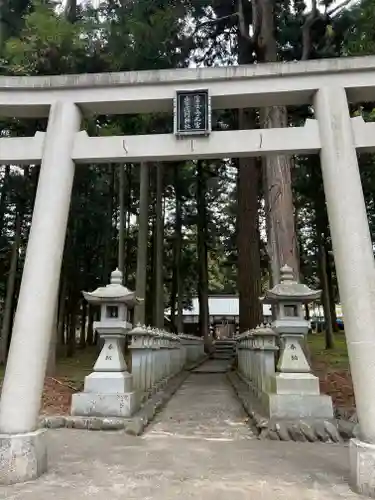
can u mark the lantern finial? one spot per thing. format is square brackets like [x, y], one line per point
[116, 277]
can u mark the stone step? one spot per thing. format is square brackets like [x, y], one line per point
[224, 349]
[222, 355]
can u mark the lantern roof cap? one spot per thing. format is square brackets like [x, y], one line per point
[290, 289]
[115, 291]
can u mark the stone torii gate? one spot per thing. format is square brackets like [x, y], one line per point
[328, 85]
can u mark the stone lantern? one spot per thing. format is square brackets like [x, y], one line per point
[288, 298]
[297, 389]
[108, 391]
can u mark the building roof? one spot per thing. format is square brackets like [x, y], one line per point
[221, 305]
[228, 305]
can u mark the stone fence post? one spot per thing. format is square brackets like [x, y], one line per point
[141, 352]
[256, 351]
[194, 347]
[243, 354]
[266, 349]
[157, 355]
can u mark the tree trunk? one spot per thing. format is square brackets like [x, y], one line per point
[159, 269]
[71, 341]
[282, 241]
[90, 326]
[141, 276]
[202, 257]
[331, 292]
[180, 318]
[249, 272]
[329, 335]
[8, 307]
[61, 313]
[51, 363]
[173, 300]
[3, 26]
[108, 234]
[307, 312]
[176, 295]
[82, 337]
[3, 198]
[71, 10]
[150, 281]
[122, 219]
[127, 224]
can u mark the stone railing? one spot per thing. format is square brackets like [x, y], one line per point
[256, 354]
[158, 355]
[286, 391]
[194, 348]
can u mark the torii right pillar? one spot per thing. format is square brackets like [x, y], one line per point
[355, 268]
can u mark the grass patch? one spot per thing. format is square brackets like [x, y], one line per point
[75, 369]
[336, 358]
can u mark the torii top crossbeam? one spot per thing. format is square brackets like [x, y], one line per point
[153, 91]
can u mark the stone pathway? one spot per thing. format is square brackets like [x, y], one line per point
[199, 447]
[214, 366]
[113, 465]
[204, 407]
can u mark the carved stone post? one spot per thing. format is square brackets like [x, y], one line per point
[266, 340]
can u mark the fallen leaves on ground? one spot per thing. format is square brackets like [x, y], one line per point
[337, 383]
[57, 395]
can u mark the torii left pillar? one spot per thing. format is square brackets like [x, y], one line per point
[23, 450]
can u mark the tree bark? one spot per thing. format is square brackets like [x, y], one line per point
[71, 11]
[202, 256]
[249, 272]
[122, 219]
[127, 224]
[71, 341]
[141, 274]
[248, 238]
[3, 198]
[82, 337]
[61, 312]
[51, 363]
[282, 243]
[331, 292]
[3, 25]
[151, 262]
[90, 326]
[8, 307]
[176, 295]
[307, 312]
[159, 268]
[329, 334]
[108, 232]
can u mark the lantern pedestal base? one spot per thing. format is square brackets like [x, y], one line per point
[109, 383]
[297, 406]
[89, 404]
[295, 383]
